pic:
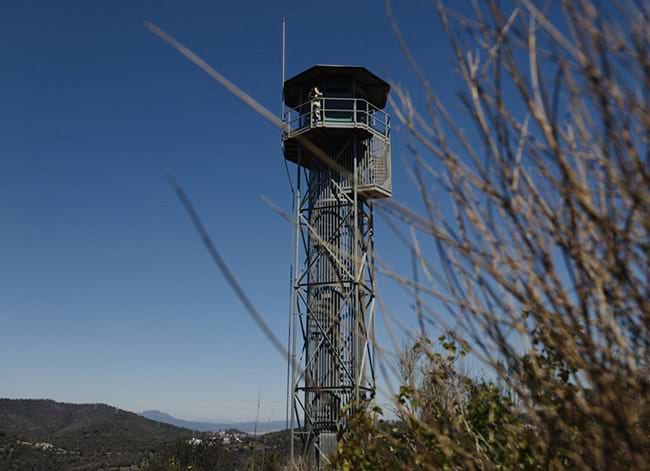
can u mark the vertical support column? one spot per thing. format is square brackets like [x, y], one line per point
[295, 310]
[372, 300]
[355, 260]
[333, 282]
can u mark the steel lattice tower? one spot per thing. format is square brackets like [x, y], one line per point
[339, 138]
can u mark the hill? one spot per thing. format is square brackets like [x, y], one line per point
[247, 427]
[77, 436]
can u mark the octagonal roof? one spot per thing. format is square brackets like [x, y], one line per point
[376, 88]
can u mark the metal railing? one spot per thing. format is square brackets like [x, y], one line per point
[336, 113]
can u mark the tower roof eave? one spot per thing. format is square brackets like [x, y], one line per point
[376, 88]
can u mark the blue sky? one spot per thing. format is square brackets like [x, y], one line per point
[108, 294]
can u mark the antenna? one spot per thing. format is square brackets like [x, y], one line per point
[284, 46]
[284, 125]
[284, 60]
[257, 416]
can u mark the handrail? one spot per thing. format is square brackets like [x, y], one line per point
[336, 112]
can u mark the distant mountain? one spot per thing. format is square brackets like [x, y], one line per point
[248, 427]
[88, 436]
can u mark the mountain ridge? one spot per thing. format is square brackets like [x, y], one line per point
[208, 426]
[87, 436]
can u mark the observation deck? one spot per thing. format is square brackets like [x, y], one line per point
[345, 119]
[357, 114]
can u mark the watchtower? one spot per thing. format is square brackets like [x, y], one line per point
[338, 135]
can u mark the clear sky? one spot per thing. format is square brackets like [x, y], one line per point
[107, 293]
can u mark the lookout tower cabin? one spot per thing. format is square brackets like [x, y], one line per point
[339, 109]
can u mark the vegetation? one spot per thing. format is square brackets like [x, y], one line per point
[265, 453]
[531, 250]
[447, 419]
[48, 435]
[83, 436]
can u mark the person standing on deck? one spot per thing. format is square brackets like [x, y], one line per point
[315, 95]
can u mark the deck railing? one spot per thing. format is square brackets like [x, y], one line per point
[336, 113]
